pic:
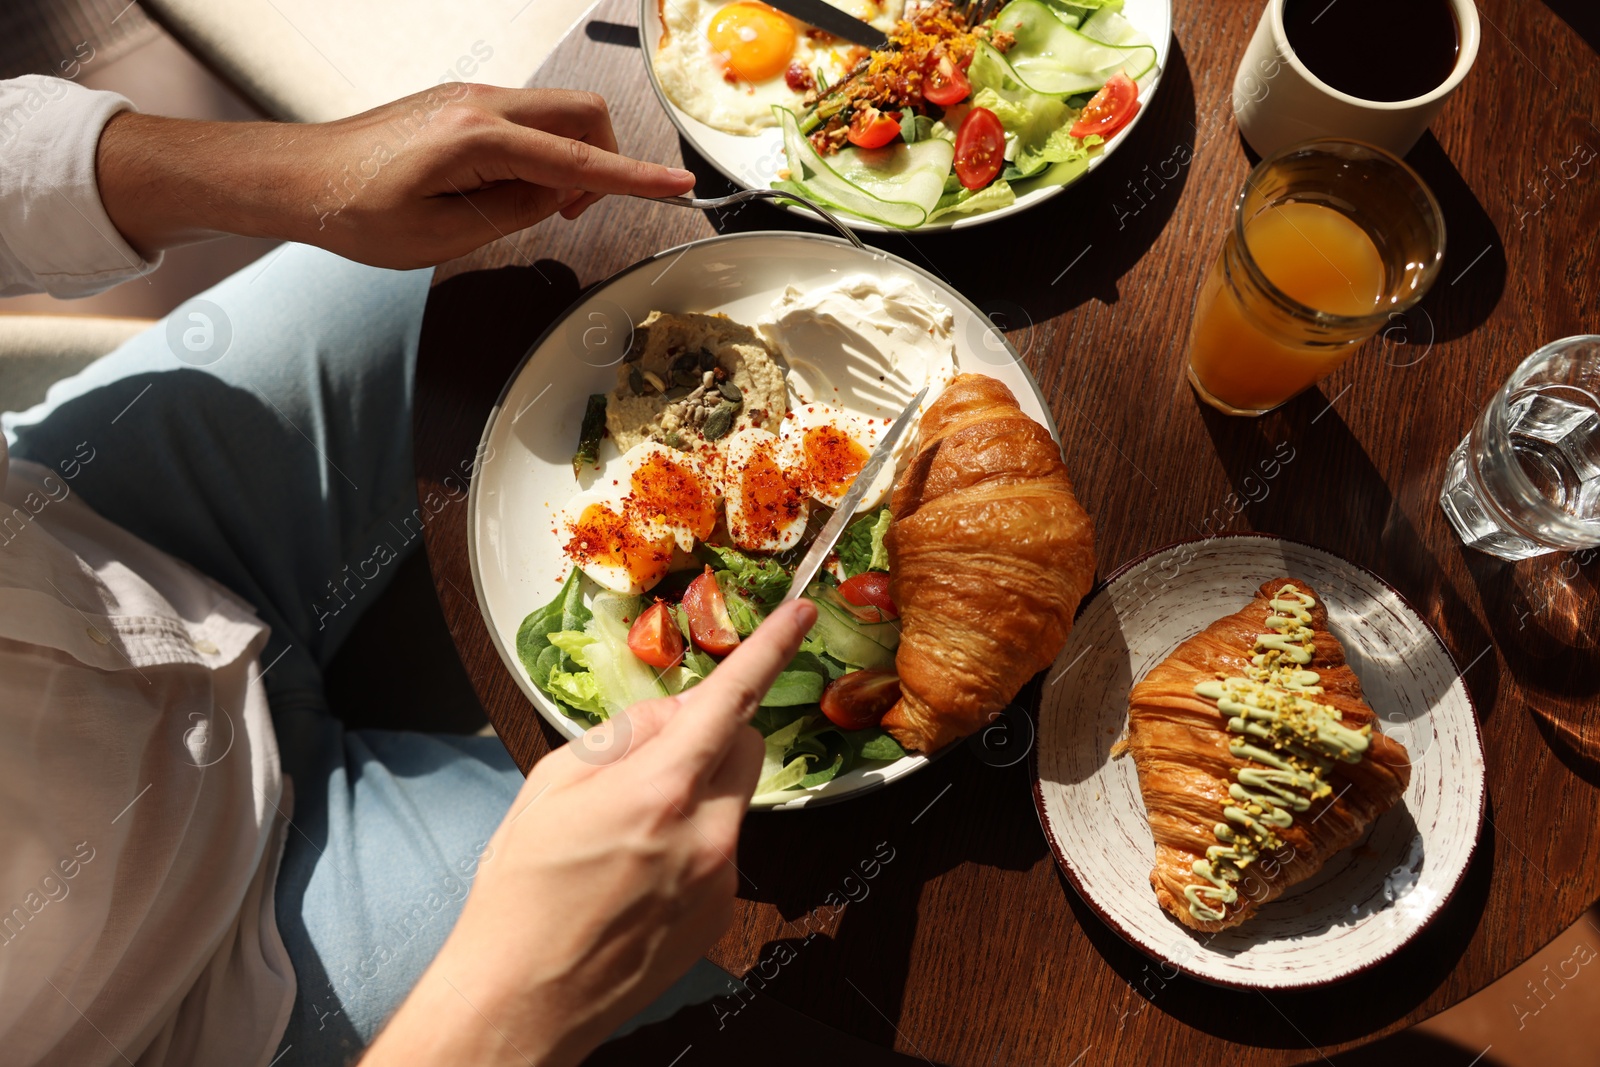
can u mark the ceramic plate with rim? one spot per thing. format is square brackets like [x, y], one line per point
[752, 162]
[526, 451]
[1368, 900]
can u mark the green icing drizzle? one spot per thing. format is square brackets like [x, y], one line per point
[1296, 740]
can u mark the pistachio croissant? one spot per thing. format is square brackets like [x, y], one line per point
[1257, 758]
[989, 555]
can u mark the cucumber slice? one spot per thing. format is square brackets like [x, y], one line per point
[1050, 57]
[624, 678]
[1108, 27]
[895, 186]
[848, 639]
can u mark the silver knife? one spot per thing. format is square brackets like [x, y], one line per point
[824, 16]
[828, 536]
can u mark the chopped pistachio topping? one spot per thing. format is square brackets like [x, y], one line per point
[1296, 740]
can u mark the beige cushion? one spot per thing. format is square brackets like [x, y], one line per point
[312, 60]
[38, 350]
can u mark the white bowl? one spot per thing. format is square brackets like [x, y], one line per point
[752, 162]
[525, 455]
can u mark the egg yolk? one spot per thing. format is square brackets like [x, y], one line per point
[602, 537]
[671, 494]
[767, 502]
[754, 41]
[832, 459]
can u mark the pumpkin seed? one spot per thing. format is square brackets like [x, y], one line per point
[672, 440]
[685, 370]
[636, 344]
[636, 381]
[707, 360]
[720, 421]
[731, 392]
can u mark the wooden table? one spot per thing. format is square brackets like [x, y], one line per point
[968, 947]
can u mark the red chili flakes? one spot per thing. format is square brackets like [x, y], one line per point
[832, 460]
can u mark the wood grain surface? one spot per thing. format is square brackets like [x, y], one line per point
[929, 917]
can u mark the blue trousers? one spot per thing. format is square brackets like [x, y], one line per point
[263, 434]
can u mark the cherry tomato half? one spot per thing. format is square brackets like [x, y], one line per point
[871, 128]
[709, 623]
[944, 83]
[980, 148]
[860, 699]
[654, 637]
[870, 589]
[1112, 108]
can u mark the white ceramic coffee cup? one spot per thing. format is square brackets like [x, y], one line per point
[1278, 101]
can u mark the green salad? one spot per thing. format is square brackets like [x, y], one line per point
[954, 119]
[586, 652]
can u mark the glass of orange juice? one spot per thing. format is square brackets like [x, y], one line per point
[1330, 240]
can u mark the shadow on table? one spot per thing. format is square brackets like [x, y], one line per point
[1582, 15]
[1049, 259]
[1549, 631]
[1407, 1049]
[1373, 530]
[1473, 276]
[1326, 1015]
[874, 858]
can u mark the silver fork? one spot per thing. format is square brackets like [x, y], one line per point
[762, 194]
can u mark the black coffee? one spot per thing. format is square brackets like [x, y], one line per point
[1375, 49]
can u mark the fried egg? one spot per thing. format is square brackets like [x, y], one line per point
[766, 511]
[727, 64]
[647, 501]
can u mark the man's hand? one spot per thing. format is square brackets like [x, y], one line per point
[408, 184]
[613, 872]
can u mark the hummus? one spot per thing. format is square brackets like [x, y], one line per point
[690, 379]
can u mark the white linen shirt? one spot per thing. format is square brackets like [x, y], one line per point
[142, 806]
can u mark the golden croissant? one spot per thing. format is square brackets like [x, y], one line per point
[1257, 757]
[989, 555]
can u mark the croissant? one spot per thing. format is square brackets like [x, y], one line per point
[989, 555]
[1257, 757]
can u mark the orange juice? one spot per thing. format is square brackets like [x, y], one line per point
[1253, 355]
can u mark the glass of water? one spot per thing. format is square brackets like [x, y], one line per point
[1526, 479]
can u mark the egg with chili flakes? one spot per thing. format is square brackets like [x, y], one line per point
[727, 64]
[651, 499]
[823, 448]
[766, 511]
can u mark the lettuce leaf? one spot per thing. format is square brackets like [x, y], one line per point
[996, 194]
[762, 580]
[572, 642]
[777, 771]
[745, 612]
[1036, 129]
[860, 547]
[579, 690]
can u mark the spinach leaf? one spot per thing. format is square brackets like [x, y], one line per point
[874, 744]
[792, 688]
[565, 612]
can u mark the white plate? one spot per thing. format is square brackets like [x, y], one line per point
[1368, 900]
[526, 451]
[752, 162]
